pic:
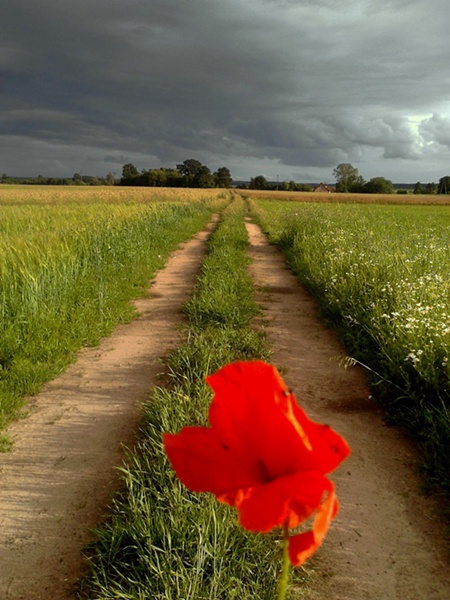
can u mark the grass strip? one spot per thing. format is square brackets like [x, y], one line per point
[163, 542]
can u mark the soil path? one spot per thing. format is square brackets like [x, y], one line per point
[386, 543]
[56, 483]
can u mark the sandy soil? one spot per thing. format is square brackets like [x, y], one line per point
[57, 482]
[387, 542]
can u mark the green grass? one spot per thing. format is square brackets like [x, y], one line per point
[67, 274]
[163, 542]
[381, 275]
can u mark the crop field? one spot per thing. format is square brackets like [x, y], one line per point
[15, 195]
[381, 275]
[71, 259]
[340, 198]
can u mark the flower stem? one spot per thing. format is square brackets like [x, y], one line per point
[283, 583]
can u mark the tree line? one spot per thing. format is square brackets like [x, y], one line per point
[77, 179]
[348, 180]
[260, 183]
[190, 173]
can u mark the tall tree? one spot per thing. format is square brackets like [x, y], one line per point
[378, 185]
[419, 189]
[203, 178]
[444, 185]
[190, 167]
[222, 178]
[258, 183]
[432, 188]
[348, 178]
[129, 171]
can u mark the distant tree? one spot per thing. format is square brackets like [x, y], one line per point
[173, 178]
[419, 189]
[429, 188]
[222, 178]
[129, 171]
[78, 179]
[444, 185]
[258, 183]
[299, 187]
[195, 174]
[110, 179]
[190, 167]
[204, 178]
[347, 178]
[161, 177]
[378, 185]
[156, 177]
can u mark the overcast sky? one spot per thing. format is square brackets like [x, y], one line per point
[280, 88]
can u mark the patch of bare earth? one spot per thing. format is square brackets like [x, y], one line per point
[56, 483]
[387, 542]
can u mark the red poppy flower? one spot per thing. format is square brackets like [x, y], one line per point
[262, 455]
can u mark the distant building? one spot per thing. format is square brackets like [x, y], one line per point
[324, 188]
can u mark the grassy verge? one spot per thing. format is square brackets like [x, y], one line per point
[67, 275]
[164, 542]
[381, 275]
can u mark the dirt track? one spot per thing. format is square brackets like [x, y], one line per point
[386, 543]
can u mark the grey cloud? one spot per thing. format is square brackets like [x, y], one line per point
[436, 130]
[287, 83]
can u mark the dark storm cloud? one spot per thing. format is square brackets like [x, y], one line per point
[276, 84]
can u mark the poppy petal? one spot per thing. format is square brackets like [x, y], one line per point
[203, 464]
[251, 414]
[293, 499]
[329, 448]
[303, 545]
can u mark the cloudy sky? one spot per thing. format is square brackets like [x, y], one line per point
[282, 88]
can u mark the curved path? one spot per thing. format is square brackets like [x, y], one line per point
[386, 542]
[56, 483]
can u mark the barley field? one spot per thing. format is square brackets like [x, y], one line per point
[71, 259]
[350, 198]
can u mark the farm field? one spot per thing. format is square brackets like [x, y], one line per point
[381, 275]
[162, 541]
[341, 198]
[71, 259]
